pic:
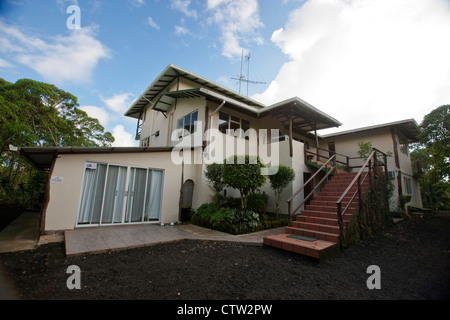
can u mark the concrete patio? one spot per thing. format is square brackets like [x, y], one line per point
[22, 234]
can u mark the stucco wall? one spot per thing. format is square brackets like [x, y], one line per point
[381, 139]
[64, 202]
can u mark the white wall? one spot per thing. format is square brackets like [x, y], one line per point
[64, 202]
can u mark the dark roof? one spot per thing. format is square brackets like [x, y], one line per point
[305, 117]
[169, 74]
[409, 128]
[42, 158]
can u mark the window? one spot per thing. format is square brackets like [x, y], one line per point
[408, 185]
[404, 147]
[229, 122]
[187, 124]
[114, 194]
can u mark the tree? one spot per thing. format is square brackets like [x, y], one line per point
[214, 174]
[37, 114]
[280, 181]
[40, 114]
[431, 159]
[243, 173]
[435, 137]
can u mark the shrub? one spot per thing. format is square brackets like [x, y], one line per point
[230, 220]
[244, 174]
[280, 181]
[214, 174]
[257, 202]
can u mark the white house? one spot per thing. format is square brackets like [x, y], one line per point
[182, 122]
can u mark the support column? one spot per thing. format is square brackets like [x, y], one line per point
[291, 149]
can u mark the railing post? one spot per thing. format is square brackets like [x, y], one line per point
[289, 212]
[340, 223]
[359, 192]
[334, 164]
[348, 163]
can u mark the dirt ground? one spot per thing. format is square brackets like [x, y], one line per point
[413, 257]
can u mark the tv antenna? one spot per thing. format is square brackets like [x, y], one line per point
[242, 78]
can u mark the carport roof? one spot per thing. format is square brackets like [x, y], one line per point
[42, 158]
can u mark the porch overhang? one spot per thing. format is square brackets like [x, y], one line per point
[167, 99]
[299, 114]
[42, 157]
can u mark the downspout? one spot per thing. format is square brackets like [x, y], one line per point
[211, 119]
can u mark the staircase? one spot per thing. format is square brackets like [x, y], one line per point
[315, 233]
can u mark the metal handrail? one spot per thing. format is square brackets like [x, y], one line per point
[332, 169]
[334, 153]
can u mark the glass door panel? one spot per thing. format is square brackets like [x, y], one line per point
[92, 195]
[114, 195]
[153, 198]
[136, 195]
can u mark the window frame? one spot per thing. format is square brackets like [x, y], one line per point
[182, 131]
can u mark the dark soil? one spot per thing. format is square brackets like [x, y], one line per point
[413, 257]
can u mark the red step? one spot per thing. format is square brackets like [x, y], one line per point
[318, 222]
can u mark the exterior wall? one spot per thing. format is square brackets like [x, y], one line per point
[386, 141]
[64, 202]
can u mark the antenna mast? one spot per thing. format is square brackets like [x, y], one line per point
[242, 77]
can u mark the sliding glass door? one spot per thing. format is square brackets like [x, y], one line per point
[114, 194]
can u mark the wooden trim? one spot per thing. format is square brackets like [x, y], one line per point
[44, 207]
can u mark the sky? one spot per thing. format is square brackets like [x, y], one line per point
[363, 62]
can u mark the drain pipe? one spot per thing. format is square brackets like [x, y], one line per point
[211, 119]
[210, 123]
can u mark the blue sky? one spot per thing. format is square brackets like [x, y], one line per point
[364, 62]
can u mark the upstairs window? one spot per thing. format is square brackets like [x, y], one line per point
[229, 122]
[187, 124]
[403, 144]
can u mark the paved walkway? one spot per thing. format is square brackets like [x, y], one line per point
[102, 239]
[22, 234]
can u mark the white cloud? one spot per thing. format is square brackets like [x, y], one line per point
[181, 31]
[152, 23]
[63, 58]
[137, 3]
[97, 113]
[238, 21]
[5, 64]
[122, 137]
[118, 102]
[365, 61]
[183, 6]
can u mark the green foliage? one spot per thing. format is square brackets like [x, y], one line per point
[214, 174]
[431, 159]
[365, 149]
[37, 114]
[258, 202]
[280, 181]
[374, 214]
[231, 220]
[244, 174]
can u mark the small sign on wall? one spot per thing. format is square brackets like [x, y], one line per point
[57, 180]
[91, 166]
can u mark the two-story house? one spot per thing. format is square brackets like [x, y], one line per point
[184, 122]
